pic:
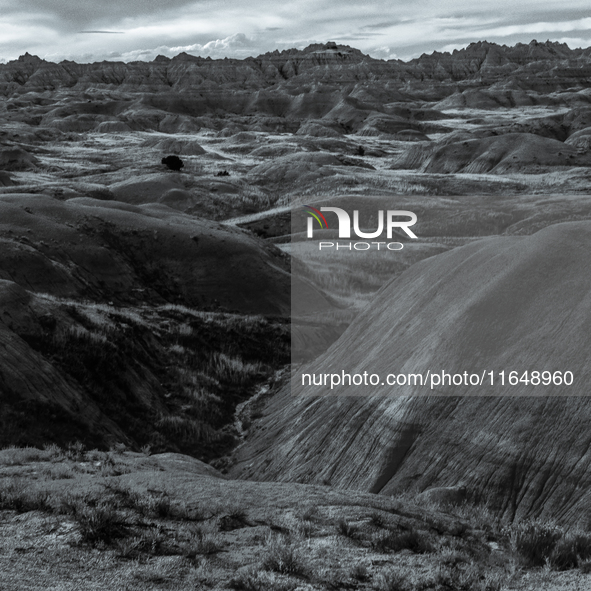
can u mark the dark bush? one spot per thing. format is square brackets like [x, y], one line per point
[534, 540]
[347, 529]
[415, 541]
[235, 519]
[570, 551]
[173, 162]
[15, 496]
[98, 524]
[377, 520]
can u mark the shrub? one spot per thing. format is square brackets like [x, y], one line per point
[478, 516]
[283, 557]
[309, 513]
[377, 520]
[452, 557]
[406, 540]
[201, 542]
[570, 550]
[469, 578]
[109, 468]
[16, 456]
[75, 451]
[15, 496]
[359, 573]
[186, 429]
[234, 519]
[154, 506]
[147, 543]
[456, 579]
[58, 473]
[54, 452]
[246, 580]
[251, 579]
[346, 529]
[98, 524]
[232, 369]
[492, 582]
[534, 540]
[119, 448]
[305, 529]
[391, 580]
[157, 506]
[173, 162]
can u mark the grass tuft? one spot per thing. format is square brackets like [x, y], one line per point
[391, 580]
[347, 529]
[534, 540]
[16, 496]
[98, 524]
[283, 557]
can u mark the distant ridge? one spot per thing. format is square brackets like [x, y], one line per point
[480, 64]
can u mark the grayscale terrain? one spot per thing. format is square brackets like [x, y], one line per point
[151, 435]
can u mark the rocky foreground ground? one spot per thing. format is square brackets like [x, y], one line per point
[120, 520]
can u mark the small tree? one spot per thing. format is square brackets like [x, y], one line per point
[173, 162]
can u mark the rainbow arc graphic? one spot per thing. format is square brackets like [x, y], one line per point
[317, 215]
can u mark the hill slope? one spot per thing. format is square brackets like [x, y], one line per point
[91, 248]
[511, 152]
[508, 303]
[133, 324]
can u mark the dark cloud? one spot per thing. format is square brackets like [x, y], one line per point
[93, 29]
[358, 36]
[384, 25]
[71, 14]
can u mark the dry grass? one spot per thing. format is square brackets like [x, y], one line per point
[284, 556]
[193, 366]
[186, 428]
[353, 278]
[170, 528]
[17, 456]
[540, 542]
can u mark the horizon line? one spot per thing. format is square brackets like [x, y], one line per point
[5, 61]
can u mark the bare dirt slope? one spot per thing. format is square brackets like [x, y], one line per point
[86, 248]
[511, 152]
[496, 304]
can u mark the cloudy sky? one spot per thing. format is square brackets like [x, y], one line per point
[92, 30]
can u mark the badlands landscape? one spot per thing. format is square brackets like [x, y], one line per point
[152, 434]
